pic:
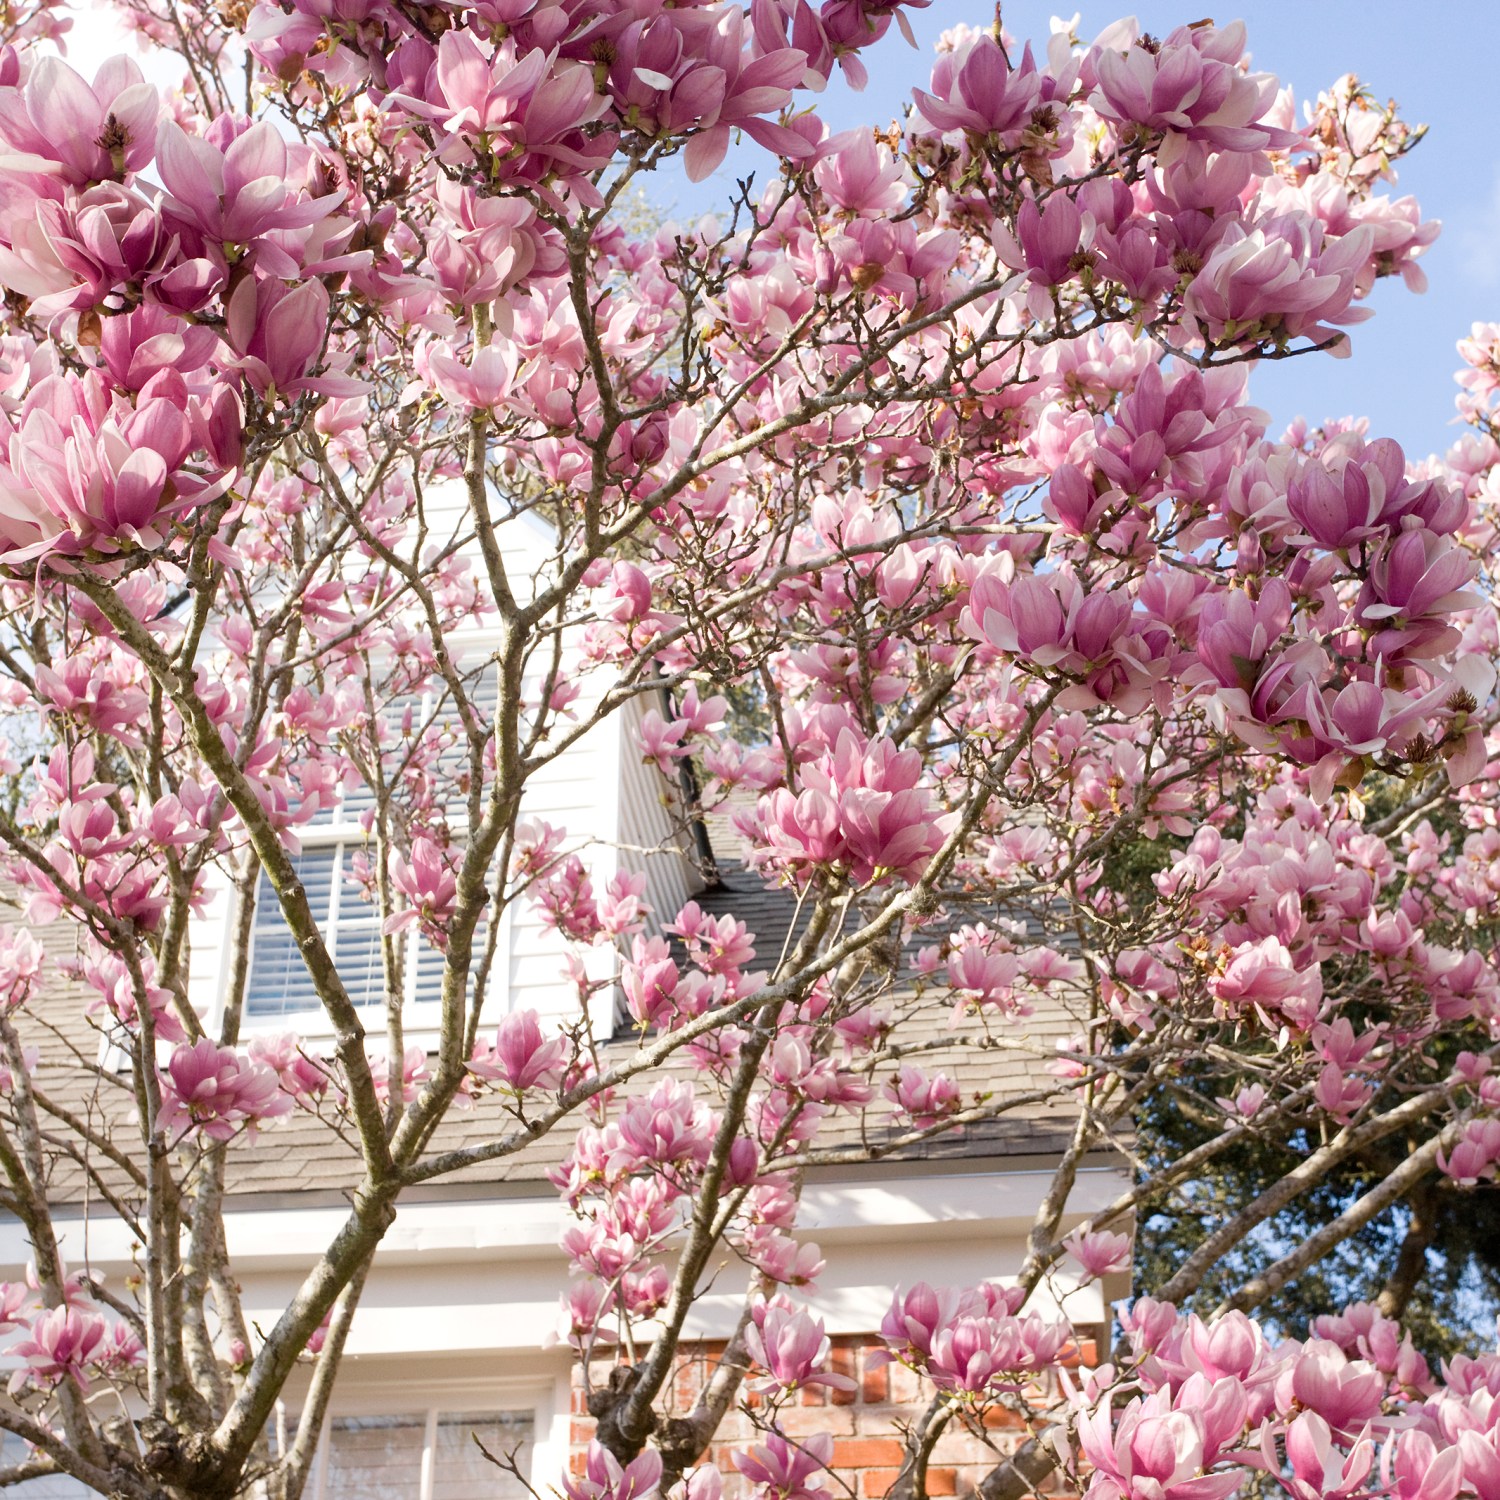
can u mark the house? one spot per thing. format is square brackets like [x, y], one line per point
[455, 1334]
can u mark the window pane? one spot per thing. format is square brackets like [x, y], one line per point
[279, 981]
[53, 1487]
[429, 964]
[461, 1472]
[359, 962]
[375, 1458]
[356, 943]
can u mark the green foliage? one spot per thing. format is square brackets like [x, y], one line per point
[1452, 1307]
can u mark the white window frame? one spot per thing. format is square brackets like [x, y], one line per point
[435, 1398]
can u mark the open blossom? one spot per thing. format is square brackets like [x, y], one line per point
[212, 1089]
[789, 1343]
[605, 1478]
[1151, 1452]
[233, 187]
[1262, 975]
[861, 810]
[485, 380]
[304, 1076]
[84, 132]
[21, 958]
[1191, 88]
[63, 1343]
[974, 89]
[786, 1470]
[88, 470]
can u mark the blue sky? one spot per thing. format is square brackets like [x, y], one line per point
[1437, 61]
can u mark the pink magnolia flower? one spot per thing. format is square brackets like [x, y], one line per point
[278, 333]
[230, 188]
[517, 99]
[605, 1478]
[414, 1073]
[1100, 1253]
[1231, 1347]
[791, 1346]
[975, 90]
[21, 958]
[1322, 1378]
[1413, 1467]
[1148, 1451]
[1320, 1470]
[1476, 1155]
[1191, 87]
[75, 255]
[980, 1356]
[211, 1089]
[1278, 277]
[859, 175]
[924, 1100]
[1262, 975]
[64, 1342]
[489, 377]
[81, 133]
[803, 827]
[650, 980]
[1025, 617]
[427, 881]
[1420, 574]
[15, 1300]
[522, 1058]
[90, 471]
[661, 742]
[743, 89]
[1049, 237]
[781, 1259]
[787, 1470]
[303, 1075]
[983, 974]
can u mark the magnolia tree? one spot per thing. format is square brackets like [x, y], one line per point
[934, 457]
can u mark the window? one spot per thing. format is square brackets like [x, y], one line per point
[16, 1450]
[421, 1455]
[280, 991]
[424, 1455]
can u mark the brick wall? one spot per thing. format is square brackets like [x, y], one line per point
[867, 1423]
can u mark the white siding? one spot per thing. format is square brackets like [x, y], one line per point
[646, 832]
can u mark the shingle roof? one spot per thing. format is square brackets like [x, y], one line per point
[306, 1155]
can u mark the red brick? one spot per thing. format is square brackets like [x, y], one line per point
[963, 1448]
[1002, 1416]
[876, 1384]
[815, 1395]
[875, 1482]
[942, 1481]
[906, 1385]
[880, 1420]
[1082, 1352]
[867, 1452]
[806, 1421]
[843, 1363]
